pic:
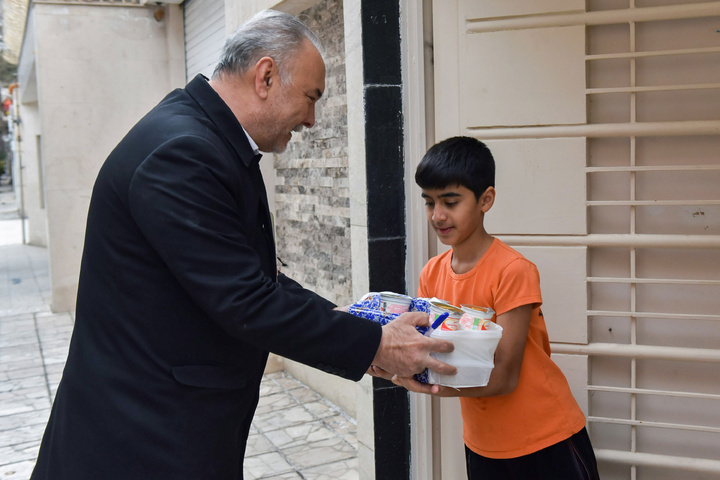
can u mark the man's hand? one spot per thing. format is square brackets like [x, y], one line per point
[404, 351]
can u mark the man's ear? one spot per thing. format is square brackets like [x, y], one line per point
[487, 199]
[265, 73]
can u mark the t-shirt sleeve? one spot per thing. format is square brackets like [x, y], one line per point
[422, 284]
[519, 285]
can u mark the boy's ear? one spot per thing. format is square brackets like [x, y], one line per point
[487, 199]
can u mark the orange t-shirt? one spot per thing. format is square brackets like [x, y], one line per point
[541, 411]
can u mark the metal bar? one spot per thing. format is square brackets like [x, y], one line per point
[654, 88]
[682, 354]
[652, 281]
[607, 17]
[653, 460]
[673, 316]
[614, 240]
[644, 423]
[654, 168]
[650, 203]
[110, 3]
[598, 130]
[655, 53]
[662, 393]
[633, 251]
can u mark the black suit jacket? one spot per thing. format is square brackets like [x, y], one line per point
[178, 304]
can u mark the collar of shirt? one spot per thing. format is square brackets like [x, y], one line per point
[253, 145]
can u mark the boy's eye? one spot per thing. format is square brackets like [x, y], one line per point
[451, 204]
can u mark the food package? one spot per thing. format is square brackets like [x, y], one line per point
[474, 356]
[475, 340]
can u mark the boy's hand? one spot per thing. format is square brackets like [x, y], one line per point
[413, 385]
[405, 352]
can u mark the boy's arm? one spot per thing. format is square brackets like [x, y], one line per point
[508, 361]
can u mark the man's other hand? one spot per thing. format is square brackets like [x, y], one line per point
[404, 351]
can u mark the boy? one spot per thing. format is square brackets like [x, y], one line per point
[525, 424]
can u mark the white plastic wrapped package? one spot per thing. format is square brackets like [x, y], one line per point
[473, 356]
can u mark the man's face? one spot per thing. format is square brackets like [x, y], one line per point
[292, 107]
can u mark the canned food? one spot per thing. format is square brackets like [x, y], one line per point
[476, 317]
[453, 320]
[391, 302]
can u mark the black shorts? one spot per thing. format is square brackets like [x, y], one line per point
[571, 459]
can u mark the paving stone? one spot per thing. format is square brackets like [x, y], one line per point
[323, 452]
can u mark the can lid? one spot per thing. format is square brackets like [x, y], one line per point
[448, 307]
[396, 297]
[477, 309]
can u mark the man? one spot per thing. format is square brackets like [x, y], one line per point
[179, 298]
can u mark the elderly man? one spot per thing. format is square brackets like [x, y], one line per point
[179, 298]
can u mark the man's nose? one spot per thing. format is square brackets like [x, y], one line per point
[309, 121]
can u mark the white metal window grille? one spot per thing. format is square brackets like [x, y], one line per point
[653, 206]
[654, 306]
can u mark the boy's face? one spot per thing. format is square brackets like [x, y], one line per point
[456, 215]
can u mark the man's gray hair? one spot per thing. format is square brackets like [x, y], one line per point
[269, 33]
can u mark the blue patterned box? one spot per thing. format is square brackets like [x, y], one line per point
[369, 307]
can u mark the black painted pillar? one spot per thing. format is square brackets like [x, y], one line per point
[385, 172]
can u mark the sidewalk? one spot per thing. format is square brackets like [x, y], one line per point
[296, 433]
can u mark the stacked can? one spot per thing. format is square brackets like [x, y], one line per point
[437, 308]
[475, 317]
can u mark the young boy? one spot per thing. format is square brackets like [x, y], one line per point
[525, 424]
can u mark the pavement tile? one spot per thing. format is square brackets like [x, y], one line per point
[258, 444]
[34, 417]
[326, 451]
[19, 452]
[267, 465]
[17, 471]
[342, 470]
[24, 434]
[288, 417]
[271, 403]
[300, 434]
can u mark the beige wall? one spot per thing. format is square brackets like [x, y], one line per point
[99, 69]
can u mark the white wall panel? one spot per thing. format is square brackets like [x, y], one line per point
[540, 187]
[563, 271]
[575, 368]
[524, 77]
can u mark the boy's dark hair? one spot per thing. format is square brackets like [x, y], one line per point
[463, 161]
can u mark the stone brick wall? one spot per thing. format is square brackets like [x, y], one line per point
[311, 185]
